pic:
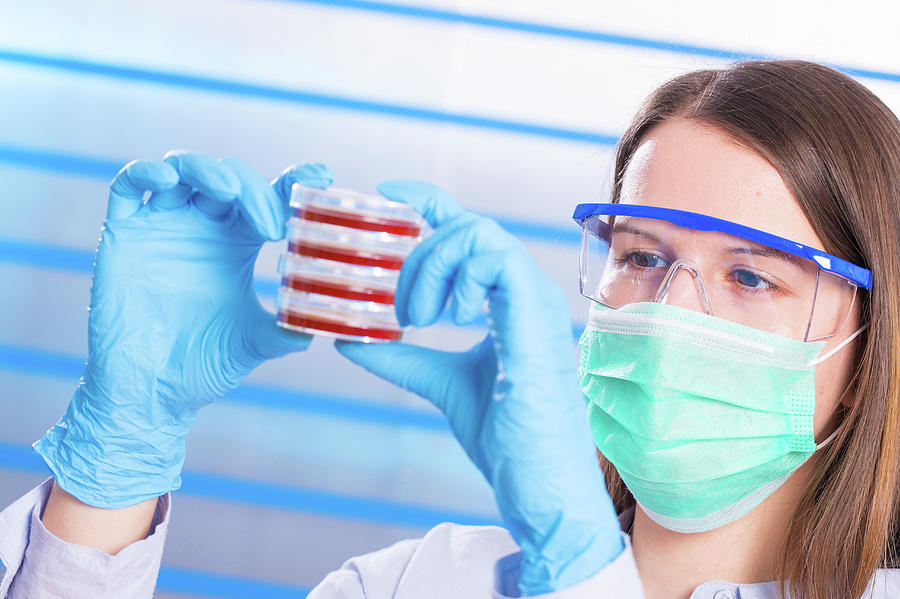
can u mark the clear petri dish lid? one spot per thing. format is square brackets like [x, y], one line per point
[356, 210]
[339, 287]
[383, 313]
[291, 264]
[294, 313]
[349, 246]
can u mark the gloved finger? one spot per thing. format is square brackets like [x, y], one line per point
[268, 340]
[126, 193]
[474, 280]
[413, 262]
[215, 208]
[171, 198]
[216, 183]
[420, 370]
[434, 204]
[258, 202]
[431, 288]
[312, 174]
[439, 209]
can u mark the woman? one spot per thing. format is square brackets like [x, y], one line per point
[740, 365]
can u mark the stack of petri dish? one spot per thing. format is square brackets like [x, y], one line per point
[339, 274]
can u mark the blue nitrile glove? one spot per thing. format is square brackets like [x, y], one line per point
[174, 320]
[513, 401]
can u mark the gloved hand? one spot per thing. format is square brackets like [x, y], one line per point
[174, 320]
[513, 401]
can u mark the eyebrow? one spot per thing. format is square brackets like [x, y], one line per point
[620, 227]
[767, 252]
[754, 250]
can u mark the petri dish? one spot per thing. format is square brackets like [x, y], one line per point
[323, 315]
[345, 253]
[338, 287]
[352, 281]
[355, 210]
[350, 246]
[318, 324]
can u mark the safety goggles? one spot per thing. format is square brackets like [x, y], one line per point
[632, 253]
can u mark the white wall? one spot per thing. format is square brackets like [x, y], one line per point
[510, 105]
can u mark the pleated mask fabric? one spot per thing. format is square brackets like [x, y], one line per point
[703, 418]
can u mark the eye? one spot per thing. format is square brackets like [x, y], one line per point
[749, 279]
[752, 281]
[643, 260]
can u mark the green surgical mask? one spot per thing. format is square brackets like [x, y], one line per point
[703, 418]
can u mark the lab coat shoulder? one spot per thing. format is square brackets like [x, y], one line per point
[885, 584]
[451, 560]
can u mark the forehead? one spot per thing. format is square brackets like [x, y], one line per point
[686, 165]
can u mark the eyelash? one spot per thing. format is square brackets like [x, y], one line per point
[625, 259]
[769, 286]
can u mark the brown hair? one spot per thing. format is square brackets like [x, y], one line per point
[837, 147]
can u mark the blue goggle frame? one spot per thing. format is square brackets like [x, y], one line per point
[857, 275]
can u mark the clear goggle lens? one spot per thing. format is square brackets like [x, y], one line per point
[628, 259]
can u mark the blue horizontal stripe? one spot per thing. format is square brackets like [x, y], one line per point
[104, 168]
[274, 496]
[53, 257]
[81, 261]
[23, 459]
[267, 287]
[43, 255]
[56, 257]
[855, 72]
[71, 164]
[238, 88]
[587, 35]
[568, 234]
[219, 586]
[41, 363]
[446, 16]
[346, 408]
[323, 503]
[45, 363]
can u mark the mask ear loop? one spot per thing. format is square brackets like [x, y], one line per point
[828, 440]
[827, 355]
[837, 347]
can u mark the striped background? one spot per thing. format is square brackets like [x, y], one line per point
[513, 106]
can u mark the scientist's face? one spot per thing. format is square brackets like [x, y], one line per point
[687, 165]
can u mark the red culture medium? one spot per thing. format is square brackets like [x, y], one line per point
[339, 289]
[346, 254]
[310, 321]
[356, 220]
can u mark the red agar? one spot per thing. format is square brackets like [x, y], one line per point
[349, 291]
[310, 321]
[345, 254]
[358, 220]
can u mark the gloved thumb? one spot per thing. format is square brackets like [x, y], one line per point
[311, 175]
[268, 340]
[426, 372]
